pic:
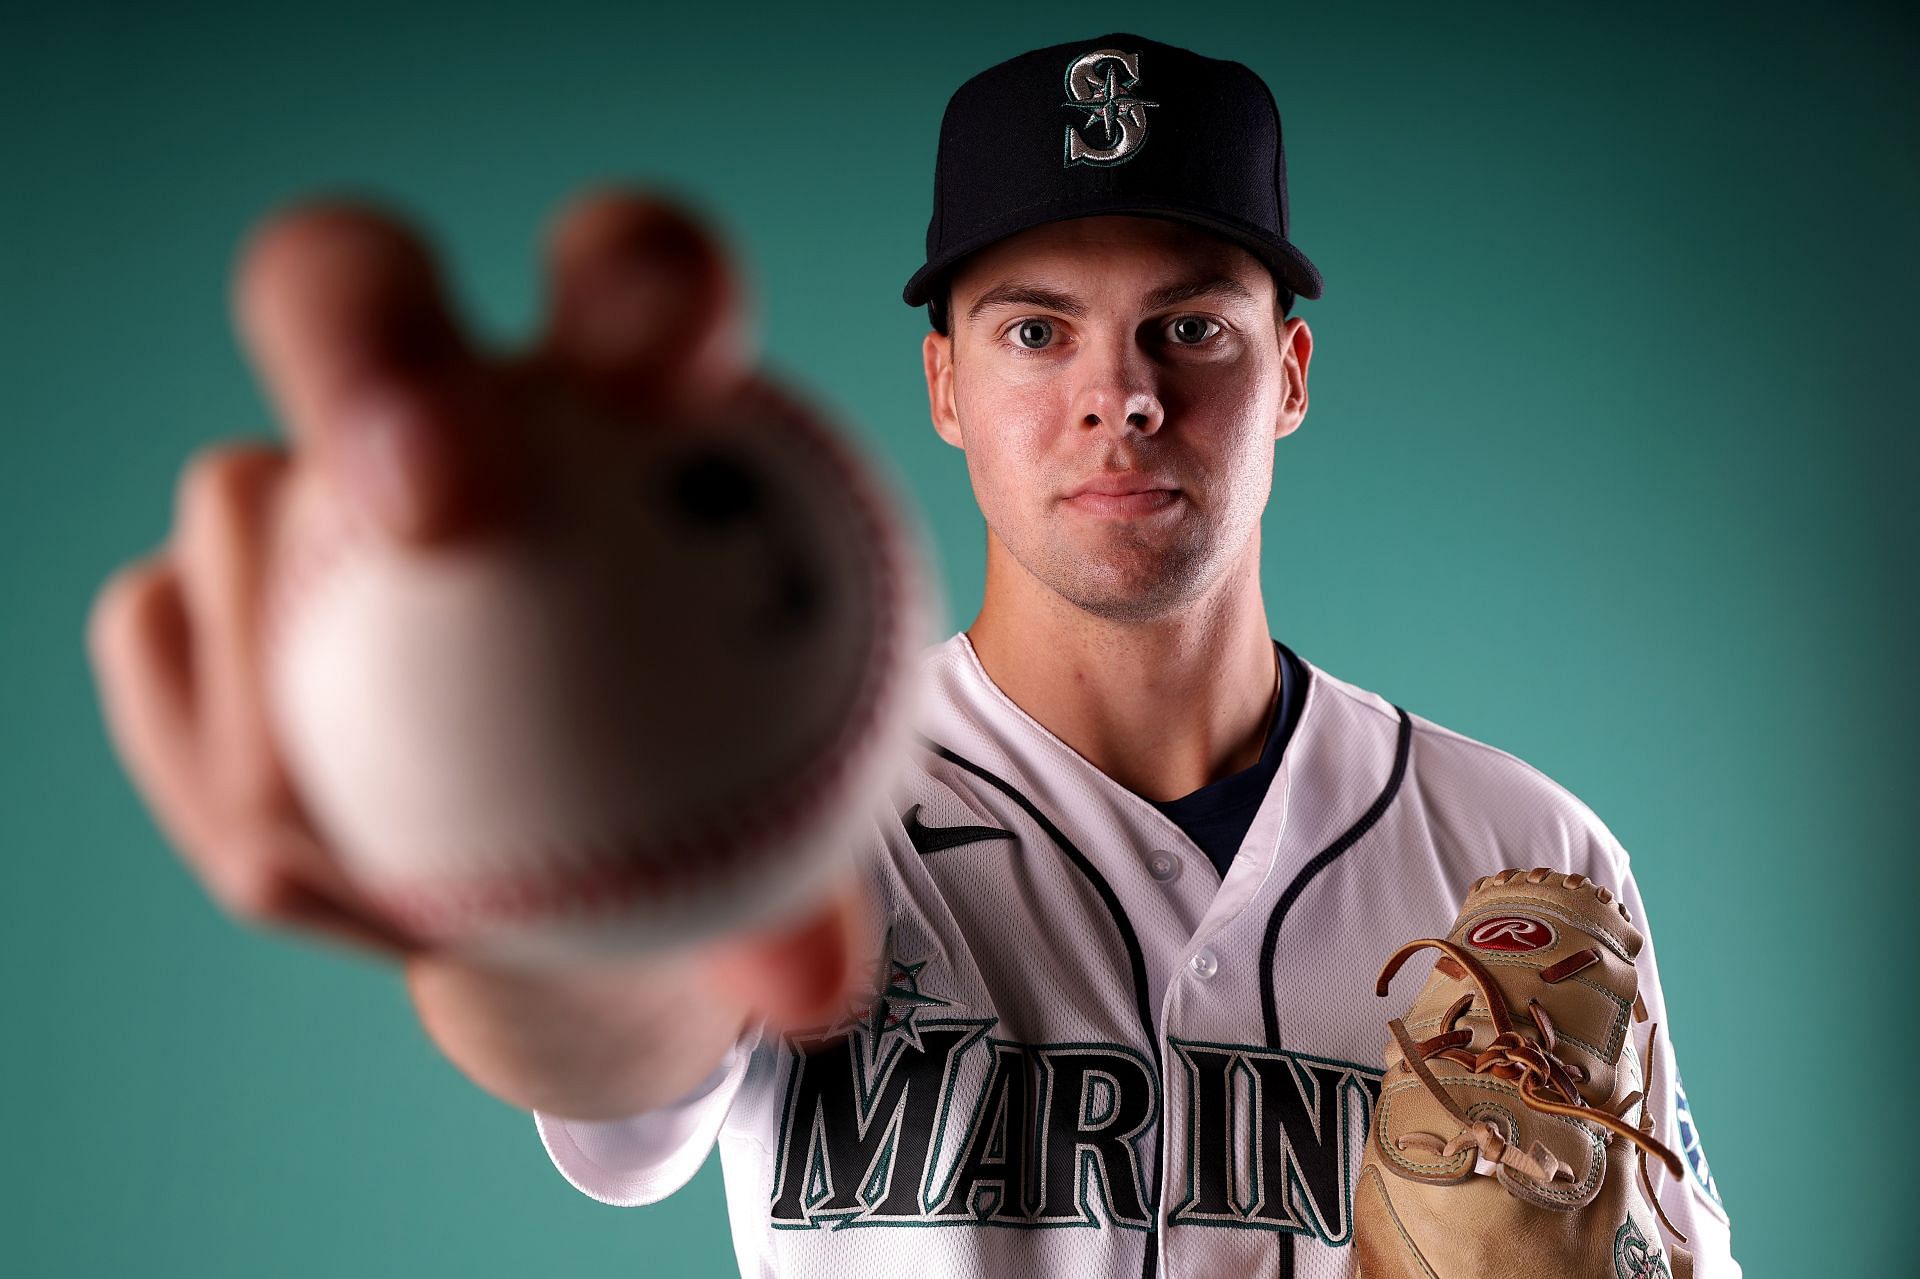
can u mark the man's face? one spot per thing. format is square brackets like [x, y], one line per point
[1128, 353]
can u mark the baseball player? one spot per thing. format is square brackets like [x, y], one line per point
[1100, 1000]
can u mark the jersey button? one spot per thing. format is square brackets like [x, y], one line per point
[1204, 963]
[1163, 866]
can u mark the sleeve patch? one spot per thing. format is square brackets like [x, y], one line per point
[1690, 1148]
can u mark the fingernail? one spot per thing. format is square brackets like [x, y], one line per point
[386, 445]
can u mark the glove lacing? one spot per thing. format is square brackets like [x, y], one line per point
[1546, 1083]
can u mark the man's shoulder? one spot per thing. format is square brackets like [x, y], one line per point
[1471, 782]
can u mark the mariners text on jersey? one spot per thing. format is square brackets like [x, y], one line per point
[1087, 1052]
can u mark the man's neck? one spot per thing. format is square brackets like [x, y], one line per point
[1162, 707]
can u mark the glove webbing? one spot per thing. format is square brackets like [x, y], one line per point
[1546, 1083]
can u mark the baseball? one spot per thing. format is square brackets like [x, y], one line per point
[663, 706]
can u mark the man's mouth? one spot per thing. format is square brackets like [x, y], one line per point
[1131, 503]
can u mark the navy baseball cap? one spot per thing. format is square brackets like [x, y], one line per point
[1115, 124]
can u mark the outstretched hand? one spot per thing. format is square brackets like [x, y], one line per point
[386, 401]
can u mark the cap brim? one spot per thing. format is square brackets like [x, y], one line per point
[1288, 264]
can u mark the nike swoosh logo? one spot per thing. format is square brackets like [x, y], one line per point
[932, 839]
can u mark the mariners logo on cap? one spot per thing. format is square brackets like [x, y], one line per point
[1100, 84]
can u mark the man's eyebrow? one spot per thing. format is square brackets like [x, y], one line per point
[1022, 293]
[1211, 286]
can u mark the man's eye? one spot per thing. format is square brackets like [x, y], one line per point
[1191, 330]
[1033, 334]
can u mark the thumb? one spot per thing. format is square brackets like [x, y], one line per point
[804, 975]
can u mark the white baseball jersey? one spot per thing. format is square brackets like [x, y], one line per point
[1091, 1055]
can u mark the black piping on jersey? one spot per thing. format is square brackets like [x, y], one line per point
[1136, 960]
[1270, 944]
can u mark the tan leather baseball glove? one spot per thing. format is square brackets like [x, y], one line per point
[1512, 1133]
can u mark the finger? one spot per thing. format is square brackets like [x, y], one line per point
[316, 913]
[268, 864]
[139, 643]
[803, 975]
[279, 875]
[342, 309]
[225, 500]
[645, 308]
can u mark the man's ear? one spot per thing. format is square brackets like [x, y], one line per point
[1296, 352]
[936, 352]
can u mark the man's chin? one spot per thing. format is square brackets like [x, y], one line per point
[1130, 598]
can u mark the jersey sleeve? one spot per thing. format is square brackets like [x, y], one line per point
[1691, 1201]
[643, 1158]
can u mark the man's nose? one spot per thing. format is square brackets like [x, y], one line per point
[1119, 390]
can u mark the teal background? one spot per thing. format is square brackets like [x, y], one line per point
[1608, 464]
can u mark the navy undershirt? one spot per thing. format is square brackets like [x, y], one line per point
[1217, 816]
